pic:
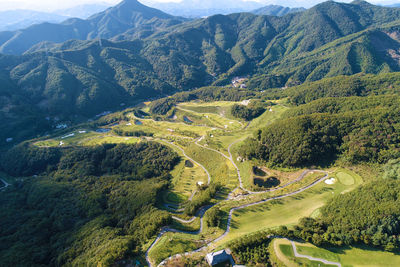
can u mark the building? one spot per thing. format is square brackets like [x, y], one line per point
[218, 257]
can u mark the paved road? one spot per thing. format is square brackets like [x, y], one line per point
[230, 158]
[264, 201]
[228, 228]
[203, 210]
[298, 255]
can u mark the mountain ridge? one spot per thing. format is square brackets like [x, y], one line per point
[127, 15]
[86, 77]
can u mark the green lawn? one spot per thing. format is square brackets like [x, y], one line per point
[171, 244]
[184, 179]
[351, 256]
[286, 255]
[345, 178]
[285, 211]
[221, 169]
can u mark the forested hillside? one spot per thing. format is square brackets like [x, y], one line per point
[355, 129]
[88, 206]
[128, 16]
[369, 215]
[84, 78]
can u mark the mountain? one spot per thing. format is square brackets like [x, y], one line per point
[83, 11]
[83, 78]
[128, 15]
[274, 10]
[205, 8]
[12, 20]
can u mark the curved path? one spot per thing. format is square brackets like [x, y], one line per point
[228, 228]
[268, 200]
[230, 158]
[184, 153]
[298, 255]
[203, 210]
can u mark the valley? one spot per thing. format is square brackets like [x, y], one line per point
[139, 138]
[207, 135]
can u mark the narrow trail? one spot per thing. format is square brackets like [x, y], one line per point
[298, 255]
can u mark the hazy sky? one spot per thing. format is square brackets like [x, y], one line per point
[49, 5]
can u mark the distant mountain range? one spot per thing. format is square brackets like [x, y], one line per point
[274, 10]
[205, 8]
[83, 77]
[83, 11]
[129, 16]
[12, 20]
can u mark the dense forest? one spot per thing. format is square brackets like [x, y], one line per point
[85, 206]
[352, 129]
[253, 110]
[344, 86]
[368, 215]
[334, 66]
[251, 250]
[163, 105]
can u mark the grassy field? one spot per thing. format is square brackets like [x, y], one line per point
[286, 211]
[348, 256]
[345, 178]
[221, 169]
[284, 252]
[171, 244]
[175, 243]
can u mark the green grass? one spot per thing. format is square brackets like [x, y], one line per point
[351, 256]
[221, 169]
[110, 139]
[267, 118]
[345, 178]
[285, 211]
[171, 244]
[287, 251]
[185, 179]
[211, 120]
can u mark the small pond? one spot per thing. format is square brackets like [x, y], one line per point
[189, 164]
[187, 120]
[138, 122]
[259, 172]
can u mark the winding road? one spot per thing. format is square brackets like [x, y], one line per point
[298, 255]
[203, 210]
[228, 228]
